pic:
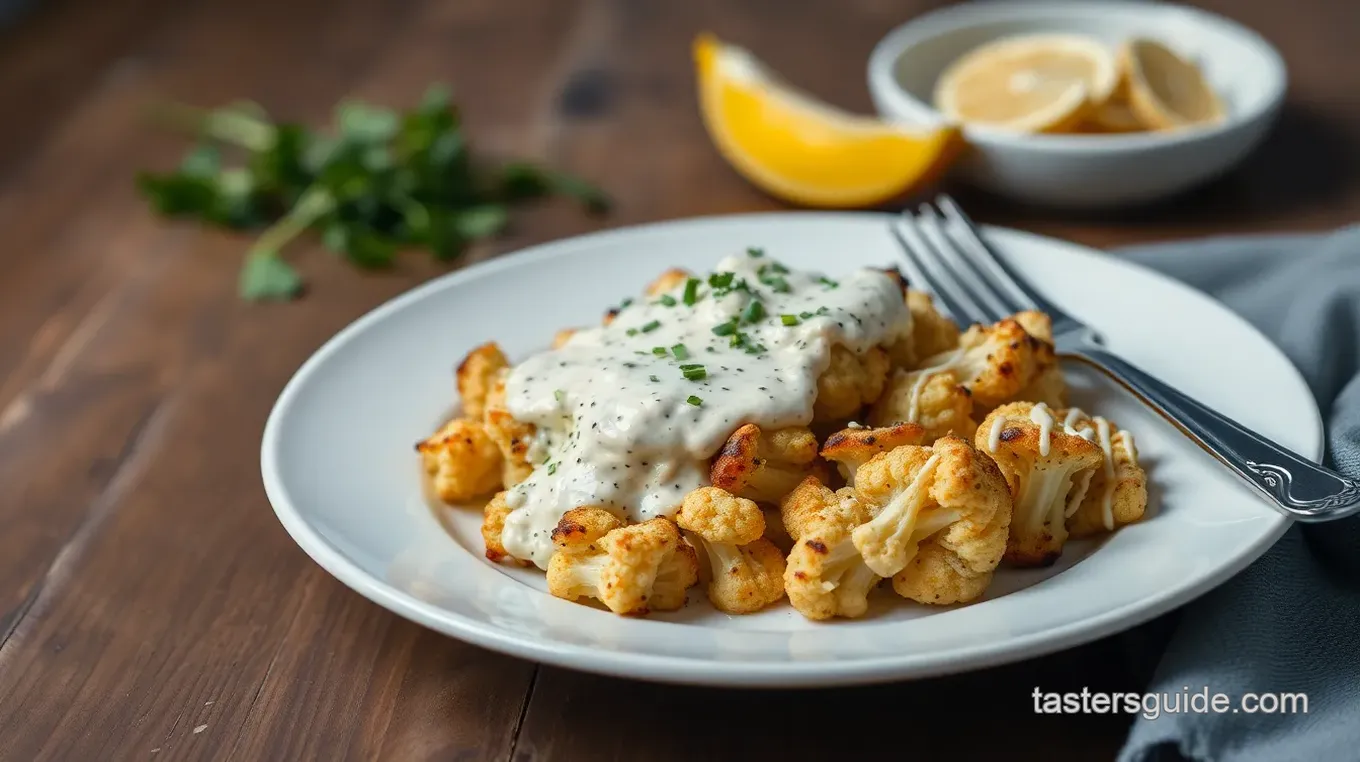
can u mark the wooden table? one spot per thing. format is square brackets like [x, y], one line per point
[150, 604]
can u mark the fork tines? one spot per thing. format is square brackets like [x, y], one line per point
[947, 256]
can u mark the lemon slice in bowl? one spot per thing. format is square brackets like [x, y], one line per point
[804, 151]
[1030, 83]
[1165, 90]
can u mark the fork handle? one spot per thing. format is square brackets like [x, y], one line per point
[1296, 486]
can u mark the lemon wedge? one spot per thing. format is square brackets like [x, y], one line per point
[804, 151]
[1029, 83]
[1165, 90]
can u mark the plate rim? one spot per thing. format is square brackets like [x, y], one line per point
[731, 674]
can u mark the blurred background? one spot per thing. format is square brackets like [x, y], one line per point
[142, 565]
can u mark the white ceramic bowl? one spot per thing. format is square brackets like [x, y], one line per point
[1088, 171]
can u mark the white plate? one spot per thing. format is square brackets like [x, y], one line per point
[340, 471]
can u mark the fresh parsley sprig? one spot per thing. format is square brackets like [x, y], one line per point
[380, 182]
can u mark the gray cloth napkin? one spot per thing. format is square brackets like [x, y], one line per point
[1291, 621]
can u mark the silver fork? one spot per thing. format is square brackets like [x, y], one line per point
[946, 254]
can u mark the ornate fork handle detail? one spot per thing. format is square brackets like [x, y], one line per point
[1296, 486]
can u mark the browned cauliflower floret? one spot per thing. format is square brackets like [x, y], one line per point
[851, 448]
[1116, 493]
[850, 382]
[932, 398]
[630, 569]
[561, 338]
[670, 279]
[931, 332]
[1046, 469]
[493, 523]
[512, 437]
[763, 466]
[748, 570]
[946, 496]
[477, 374]
[825, 575]
[462, 461]
[1001, 362]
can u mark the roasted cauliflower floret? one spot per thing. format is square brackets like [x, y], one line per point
[825, 575]
[748, 570]
[763, 466]
[933, 398]
[1046, 469]
[850, 382]
[462, 461]
[946, 496]
[561, 338]
[493, 523]
[512, 437]
[851, 448]
[630, 569]
[1001, 362]
[931, 332]
[1117, 491]
[477, 374]
[668, 280]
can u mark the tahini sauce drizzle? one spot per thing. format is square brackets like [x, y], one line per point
[617, 422]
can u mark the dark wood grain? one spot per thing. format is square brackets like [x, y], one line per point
[150, 605]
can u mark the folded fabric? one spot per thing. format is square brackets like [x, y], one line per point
[1289, 623]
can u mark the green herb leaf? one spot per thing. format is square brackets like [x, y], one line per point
[651, 326]
[693, 372]
[725, 329]
[691, 292]
[680, 352]
[482, 221]
[695, 401]
[753, 312]
[789, 320]
[268, 278]
[667, 300]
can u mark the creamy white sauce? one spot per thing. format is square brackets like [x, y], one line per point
[1044, 418]
[1107, 499]
[994, 436]
[621, 426]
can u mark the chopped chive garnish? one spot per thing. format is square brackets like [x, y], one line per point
[754, 311]
[689, 365]
[695, 401]
[789, 319]
[652, 326]
[626, 303]
[552, 468]
[773, 267]
[720, 280]
[753, 251]
[631, 332]
[680, 352]
[822, 310]
[691, 292]
[737, 340]
[806, 315]
[560, 396]
[694, 373]
[755, 349]
[777, 284]
[725, 329]
[654, 378]
[825, 281]
[667, 300]
[659, 351]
